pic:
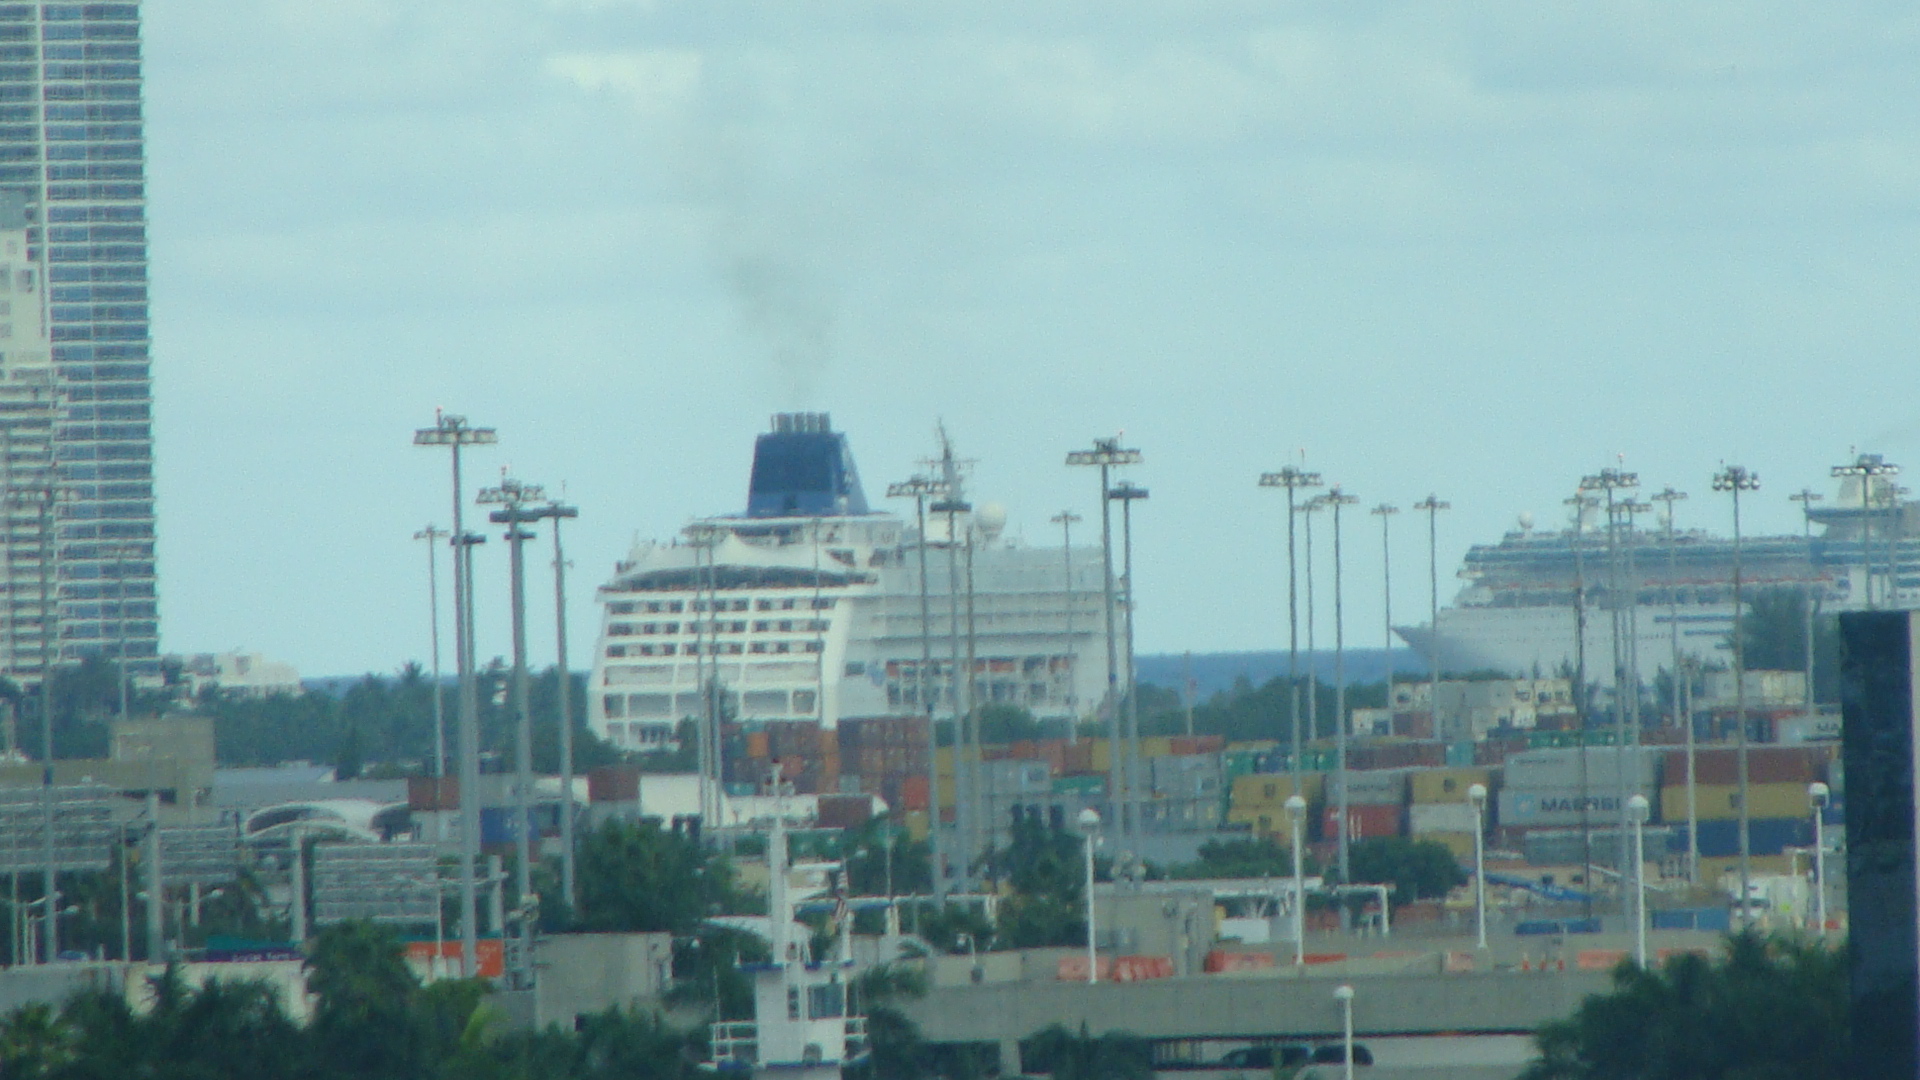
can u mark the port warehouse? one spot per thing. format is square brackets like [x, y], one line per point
[1548, 800]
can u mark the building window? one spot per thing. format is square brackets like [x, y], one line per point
[761, 625]
[804, 702]
[613, 705]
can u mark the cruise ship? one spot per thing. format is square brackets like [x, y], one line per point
[806, 608]
[1516, 612]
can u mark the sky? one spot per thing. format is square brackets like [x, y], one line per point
[1472, 249]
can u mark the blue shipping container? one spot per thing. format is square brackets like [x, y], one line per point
[1766, 836]
[1716, 919]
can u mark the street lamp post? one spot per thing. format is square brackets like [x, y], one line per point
[453, 432]
[1297, 816]
[1337, 498]
[1608, 481]
[1344, 995]
[1477, 798]
[1105, 455]
[1065, 519]
[1385, 511]
[1668, 497]
[1307, 510]
[1292, 479]
[1089, 821]
[1817, 794]
[1637, 808]
[1433, 504]
[1735, 479]
[1126, 493]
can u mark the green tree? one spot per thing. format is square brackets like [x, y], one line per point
[1418, 869]
[638, 877]
[1766, 1009]
[362, 1022]
[1262, 857]
[1067, 1055]
[1774, 633]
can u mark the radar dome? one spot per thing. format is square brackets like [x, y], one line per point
[991, 520]
[1526, 521]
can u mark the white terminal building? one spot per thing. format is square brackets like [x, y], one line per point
[807, 607]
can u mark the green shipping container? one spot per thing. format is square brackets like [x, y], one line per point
[1079, 785]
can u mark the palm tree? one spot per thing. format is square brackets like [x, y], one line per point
[1065, 1055]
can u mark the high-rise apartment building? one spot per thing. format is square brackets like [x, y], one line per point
[72, 146]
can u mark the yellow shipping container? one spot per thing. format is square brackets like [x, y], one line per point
[1448, 785]
[917, 825]
[1271, 790]
[1253, 746]
[1460, 843]
[1265, 821]
[1721, 802]
[1712, 870]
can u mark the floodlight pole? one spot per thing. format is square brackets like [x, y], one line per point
[1608, 481]
[1127, 493]
[918, 488]
[1292, 479]
[1806, 497]
[1735, 479]
[1433, 504]
[1106, 454]
[433, 536]
[1581, 503]
[1065, 520]
[559, 512]
[1337, 498]
[1307, 510]
[1385, 512]
[1669, 497]
[453, 432]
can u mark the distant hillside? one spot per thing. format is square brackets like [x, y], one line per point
[1213, 672]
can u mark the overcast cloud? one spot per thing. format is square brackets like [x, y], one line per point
[1475, 249]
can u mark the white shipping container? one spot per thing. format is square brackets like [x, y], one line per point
[1441, 817]
[1542, 769]
[1370, 788]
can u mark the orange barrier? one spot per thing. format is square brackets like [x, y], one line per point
[1599, 959]
[1220, 960]
[488, 951]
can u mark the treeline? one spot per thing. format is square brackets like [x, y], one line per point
[383, 725]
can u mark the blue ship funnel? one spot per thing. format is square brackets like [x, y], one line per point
[803, 468]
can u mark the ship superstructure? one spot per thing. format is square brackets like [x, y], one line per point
[806, 609]
[1517, 611]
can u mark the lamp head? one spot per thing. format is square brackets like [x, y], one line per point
[1819, 793]
[1477, 794]
[1088, 820]
[1343, 992]
[1637, 807]
[1296, 805]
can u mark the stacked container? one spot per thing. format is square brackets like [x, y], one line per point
[1376, 805]
[1544, 788]
[1259, 800]
[1440, 810]
[1779, 807]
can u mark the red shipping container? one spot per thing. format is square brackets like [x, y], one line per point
[1184, 745]
[434, 793]
[1364, 822]
[1220, 960]
[844, 811]
[488, 953]
[1765, 765]
[913, 793]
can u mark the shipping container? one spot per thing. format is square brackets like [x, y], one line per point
[1384, 788]
[1197, 744]
[1562, 769]
[1562, 806]
[843, 811]
[612, 784]
[1459, 843]
[427, 793]
[1766, 836]
[1089, 784]
[1448, 785]
[1273, 789]
[913, 794]
[1460, 755]
[1765, 765]
[1721, 802]
[1568, 847]
[1442, 817]
[1364, 821]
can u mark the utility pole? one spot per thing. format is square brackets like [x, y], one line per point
[1337, 498]
[433, 536]
[1292, 479]
[1608, 481]
[454, 433]
[1106, 454]
[1581, 503]
[1432, 504]
[1735, 479]
[1385, 512]
[966, 779]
